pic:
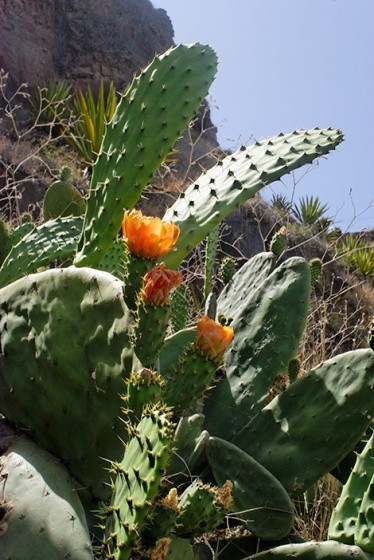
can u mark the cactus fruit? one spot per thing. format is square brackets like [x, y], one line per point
[315, 422]
[42, 513]
[315, 271]
[227, 269]
[65, 353]
[63, 199]
[293, 369]
[239, 177]
[260, 501]
[136, 480]
[346, 520]
[149, 118]
[278, 242]
[41, 246]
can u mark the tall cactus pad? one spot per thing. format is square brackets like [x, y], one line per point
[328, 550]
[149, 118]
[43, 515]
[56, 239]
[262, 347]
[343, 520]
[65, 352]
[239, 177]
[260, 501]
[136, 481]
[306, 430]
[246, 280]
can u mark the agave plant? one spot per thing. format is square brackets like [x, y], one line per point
[357, 255]
[86, 131]
[49, 102]
[311, 212]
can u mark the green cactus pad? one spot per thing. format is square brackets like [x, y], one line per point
[181, 300]
[344, 518]
[44, 517]
[150, 330]
[136, 480]
[313, 550]
[5, 242]
[143, 389]
[53, 240]
[21, 231]
[306, 430]
[364, 533]
[190, 441]
[278, 242]
[202, 507]
[149, 118]
[260, 501]
[239, 177]
[65, 353]
[247, 279]
[293, 369]
[211, 248]
[263, 344]
[227, 269]
[188, 379]
[62, 199]
[115, 260]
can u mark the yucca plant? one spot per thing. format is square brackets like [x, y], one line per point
[86, 130]
[311, 212]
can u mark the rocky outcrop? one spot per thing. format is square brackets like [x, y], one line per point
[80, 40]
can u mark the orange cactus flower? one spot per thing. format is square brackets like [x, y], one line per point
[158, 283]
[148, 237]
[213, 338]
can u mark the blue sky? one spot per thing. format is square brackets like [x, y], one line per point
[288, 64]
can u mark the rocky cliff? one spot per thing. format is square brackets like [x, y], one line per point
[80, 40]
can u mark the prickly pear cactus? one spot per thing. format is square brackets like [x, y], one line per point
[346, 521]
[136, 480]
[149, 118]
[55, 239]
[42, 516]
[65, 354]
[239, 177]
[63, 199]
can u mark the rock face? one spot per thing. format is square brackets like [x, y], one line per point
[80, 40]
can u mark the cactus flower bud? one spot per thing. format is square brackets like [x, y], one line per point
[158, 283]
[148, 237]
[213, 338]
